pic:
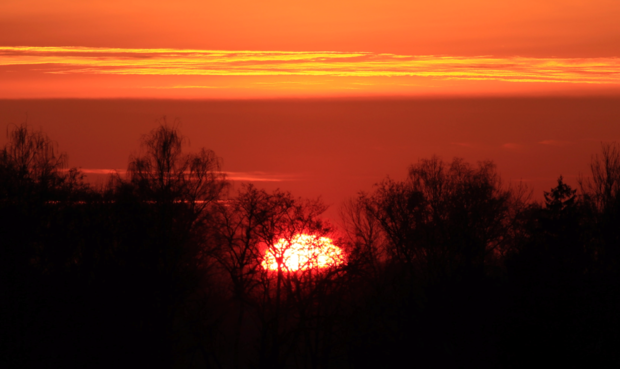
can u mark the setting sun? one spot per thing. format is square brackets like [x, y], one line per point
[303, 252]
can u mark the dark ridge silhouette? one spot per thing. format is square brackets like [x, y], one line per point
[161, 267]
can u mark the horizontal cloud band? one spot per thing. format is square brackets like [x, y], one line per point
[84, 60]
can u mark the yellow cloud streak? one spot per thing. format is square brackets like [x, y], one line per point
[167, 62]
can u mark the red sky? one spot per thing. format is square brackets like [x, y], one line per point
[335, 148]
[388, 81]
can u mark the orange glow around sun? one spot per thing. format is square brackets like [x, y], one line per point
[302, 253]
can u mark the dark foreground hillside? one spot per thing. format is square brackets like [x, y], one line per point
[162, 268]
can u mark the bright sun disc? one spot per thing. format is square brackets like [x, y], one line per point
[303, 252]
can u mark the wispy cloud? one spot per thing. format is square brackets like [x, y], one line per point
[259, 177]
[185, 87]
[102, 171]
[540, 179]
[554, 142]
[464, 144]
[85, 60]
[601, 140]
[254, 176]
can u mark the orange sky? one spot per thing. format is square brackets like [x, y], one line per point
[233, 49]
[567, 28]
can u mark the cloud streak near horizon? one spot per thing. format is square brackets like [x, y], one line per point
[231, 176]
[187, 62]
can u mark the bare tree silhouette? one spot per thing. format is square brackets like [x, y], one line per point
[164, 267]
[250, 225]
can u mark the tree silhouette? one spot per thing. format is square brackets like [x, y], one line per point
[603, 188]
[38, 220]
[249, 225]
[447, 216]
[436, 237]
[163, 267]
[161, 221]
[602, 192]
[560, 198]
[555, 303]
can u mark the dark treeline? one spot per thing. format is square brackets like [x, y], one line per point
[161, 267]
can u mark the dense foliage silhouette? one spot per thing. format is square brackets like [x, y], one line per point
[161, 267]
